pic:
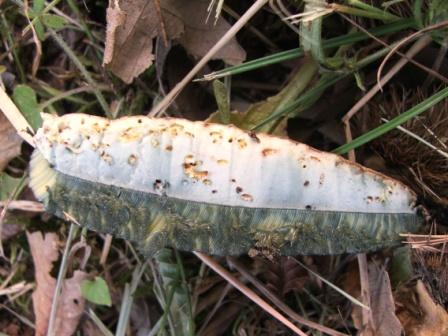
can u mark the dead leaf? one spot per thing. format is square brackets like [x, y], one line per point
[133, 24]
[9, 231]
[435, 321]
[200, 35]
[131, 27]
[385, 321]
[382, 302]
[44, 250]
[9, 140]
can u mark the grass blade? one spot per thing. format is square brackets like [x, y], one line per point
[392, 124]
[298, 52]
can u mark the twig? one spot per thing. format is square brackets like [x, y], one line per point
[279, 303]
[431, 72]
[60, 279]
[106, 249]
[168, 99]
[29, 206]
[420, 139]
[407, 39]
[247, 291]
[367, 316]
[414, 50]
[23, 319]
[215, 308]
[65, 47]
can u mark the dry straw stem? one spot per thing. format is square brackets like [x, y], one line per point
[29, 206]
[247, 291]
[278, 302]
[420, 139]
[431, 72]
[169, 98]
[414, 50]
[428, 242]
[404, 41]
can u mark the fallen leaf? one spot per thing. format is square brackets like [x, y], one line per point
[131, 27]
[382, 302]
[133, 24]
[44, 249]
[201, 35]
[435, 321]
[10, 142]
[385, 321]
[9, 231]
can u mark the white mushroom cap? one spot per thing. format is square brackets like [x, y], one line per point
[217, 164]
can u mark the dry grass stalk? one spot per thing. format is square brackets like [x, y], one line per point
[421, 166]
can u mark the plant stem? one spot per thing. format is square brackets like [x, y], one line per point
[61, 277]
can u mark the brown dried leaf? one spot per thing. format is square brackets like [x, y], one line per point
[10, 142]
[133, 24]
[385, 321]
[200, 36]
[44, 250]
[284, 275]
[435, 321]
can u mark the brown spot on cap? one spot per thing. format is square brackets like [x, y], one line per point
[242, 143]
[321, 179]
[106, 157]
[254, 137]
[306, 183]
[238, 190]
[222, 162]
[247, 197]
[169, 148]
[132, 159]
[62, 126]
[268, 151]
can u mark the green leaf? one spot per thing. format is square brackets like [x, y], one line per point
[222, 100]
[38, 6]
[174, 296]
[40, 30]
[10, 186]
[96, 291]
[400, 269]
[53, 21]
[26, 100]
[392, 124]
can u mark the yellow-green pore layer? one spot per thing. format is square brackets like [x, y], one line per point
[153, 221]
